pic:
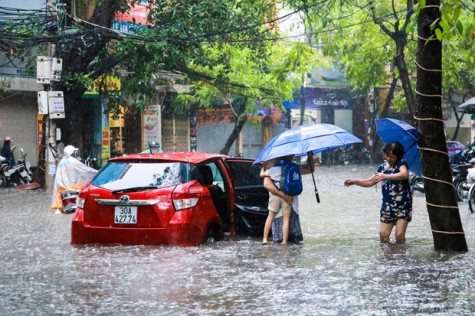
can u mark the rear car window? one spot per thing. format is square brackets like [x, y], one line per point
[121, 175]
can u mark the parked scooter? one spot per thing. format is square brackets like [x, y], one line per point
[416, 183]
[4, 166]
[459, 180]
[17, 174]
[91, 161]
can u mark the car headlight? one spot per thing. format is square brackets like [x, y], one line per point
[80, 202]
[185, 203]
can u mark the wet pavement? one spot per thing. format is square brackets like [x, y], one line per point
[341, 269]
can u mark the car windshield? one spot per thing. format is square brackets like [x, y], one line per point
[125, 175]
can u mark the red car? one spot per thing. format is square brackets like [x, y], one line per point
[170, 198]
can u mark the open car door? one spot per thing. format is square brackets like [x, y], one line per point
[250, 197]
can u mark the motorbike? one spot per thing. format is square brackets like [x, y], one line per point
[471, 198]
[17, 174]
[350, 155]
[461, 157]
[4, 167]
[91, 161]
[416, 183]
[340, 156]
[459, 180]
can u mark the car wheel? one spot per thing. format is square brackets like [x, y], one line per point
[212, 235]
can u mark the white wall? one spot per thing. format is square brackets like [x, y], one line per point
[344, 119]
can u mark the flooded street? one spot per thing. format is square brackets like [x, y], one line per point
[341, 268]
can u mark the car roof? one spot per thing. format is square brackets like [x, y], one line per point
[186, 157]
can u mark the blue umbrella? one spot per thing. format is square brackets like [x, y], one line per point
[302, 139]
[393, 130]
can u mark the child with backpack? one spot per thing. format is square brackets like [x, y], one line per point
[287, 178]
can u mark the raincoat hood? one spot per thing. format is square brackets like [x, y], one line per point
[69, 150]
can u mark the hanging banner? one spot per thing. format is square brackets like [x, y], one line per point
[151, 125]
[40, 132]
[106, 149]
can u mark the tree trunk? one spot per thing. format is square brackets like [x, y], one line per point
[389, 97]
[241, 119]
[400, 63]
[441, 201]
[77, 61]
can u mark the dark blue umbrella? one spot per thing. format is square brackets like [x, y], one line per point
[302, 139]
[393, 130]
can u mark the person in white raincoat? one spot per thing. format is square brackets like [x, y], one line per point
[71, 174]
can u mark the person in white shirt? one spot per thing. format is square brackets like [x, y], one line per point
[278, 200]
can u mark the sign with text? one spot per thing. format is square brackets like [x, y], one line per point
[151, 125]
[110, 83]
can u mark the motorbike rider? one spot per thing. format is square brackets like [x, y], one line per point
[153, 147]
[71, 174]
[7, 150]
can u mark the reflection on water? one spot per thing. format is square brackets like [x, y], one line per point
[341, 269]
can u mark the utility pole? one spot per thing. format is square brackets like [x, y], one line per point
[51, 106]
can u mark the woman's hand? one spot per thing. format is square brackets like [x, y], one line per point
[349, 182]
[379, 176]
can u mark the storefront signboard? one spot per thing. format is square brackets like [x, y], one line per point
[151, 125]
[106, 151]
[110, 82]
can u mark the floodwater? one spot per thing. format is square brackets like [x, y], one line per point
[341, 268]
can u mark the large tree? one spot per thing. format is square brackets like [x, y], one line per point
[442, 204]
[196, 39]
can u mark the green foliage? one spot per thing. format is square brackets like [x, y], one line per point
[76, 80]
[4, 86]
[363, 50]
[348, 33]
[196, 39]
[268, 82]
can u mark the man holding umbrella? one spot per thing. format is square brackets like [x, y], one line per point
[302, 140]
[285, 223]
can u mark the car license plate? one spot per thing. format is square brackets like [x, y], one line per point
[125, 215]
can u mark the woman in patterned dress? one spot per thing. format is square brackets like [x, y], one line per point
[396, 208]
